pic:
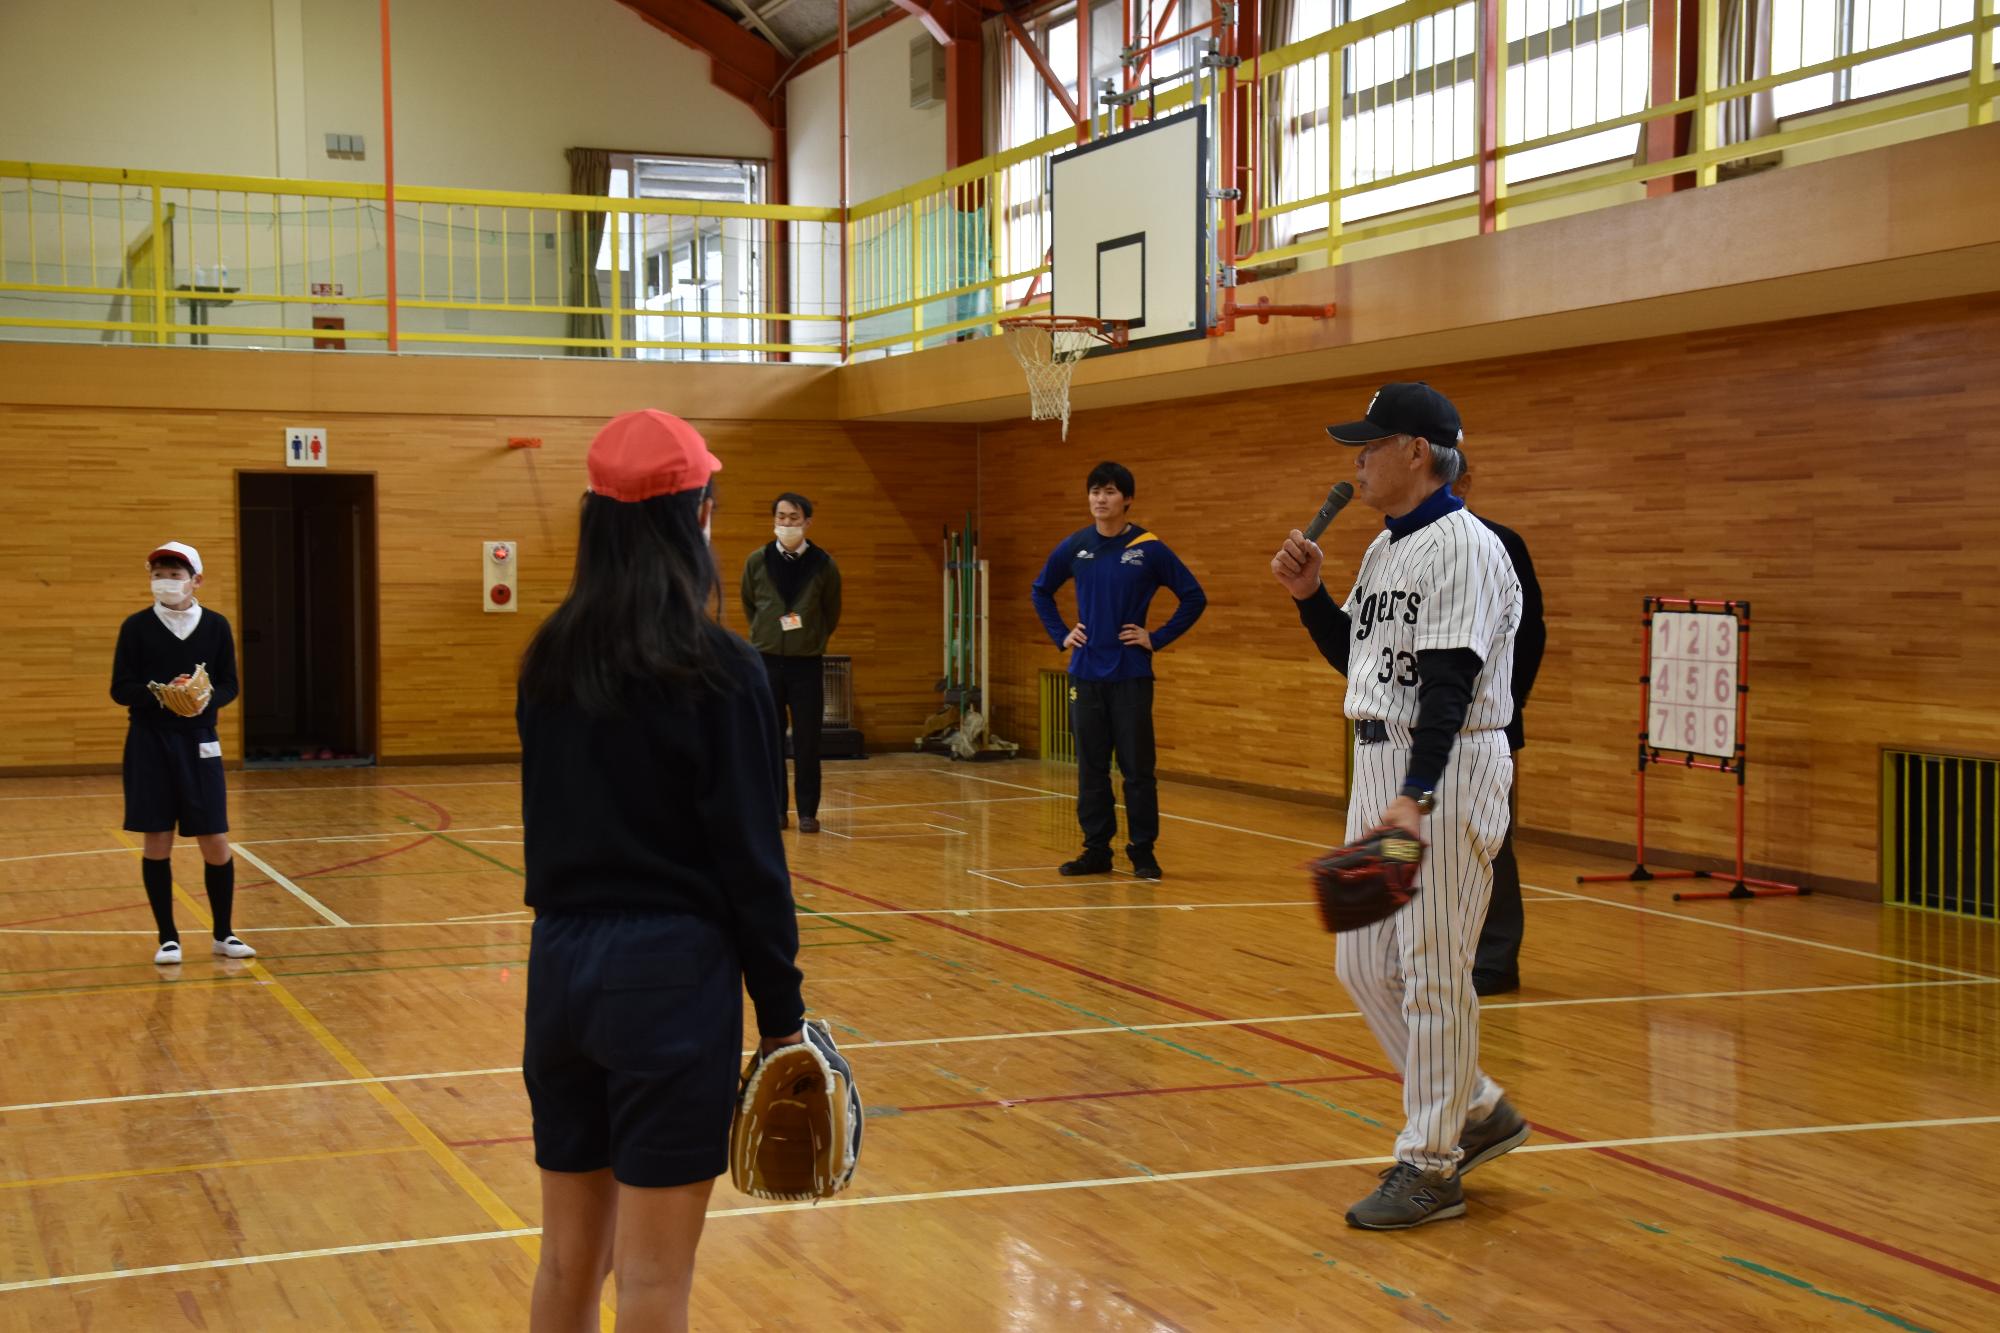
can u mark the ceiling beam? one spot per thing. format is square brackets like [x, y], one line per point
[741, 64]
[921, 12]
[756, 20]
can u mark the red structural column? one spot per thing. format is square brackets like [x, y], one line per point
[1085, 123]
[846, 231]
[1675, 36]
[389, 176]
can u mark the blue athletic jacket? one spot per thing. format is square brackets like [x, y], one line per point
[1116, 578]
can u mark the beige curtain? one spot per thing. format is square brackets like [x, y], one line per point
[1746, 54]
[589, 174]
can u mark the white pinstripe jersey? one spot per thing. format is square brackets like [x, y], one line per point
[1447, 585]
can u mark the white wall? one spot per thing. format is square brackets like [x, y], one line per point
[889, 144]
[488, 92]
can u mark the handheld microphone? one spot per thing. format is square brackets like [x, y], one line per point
[1336, 500]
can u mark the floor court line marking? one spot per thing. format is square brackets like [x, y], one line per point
[298, 791]
[1008, 1036]
[257, 1087]
[277, 930]
[446, 1160]
[136, 1172]
[997, 1191]
[1761, 934]
[1560, 893]
[271, 872]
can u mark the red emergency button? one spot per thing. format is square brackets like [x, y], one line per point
[502, 594]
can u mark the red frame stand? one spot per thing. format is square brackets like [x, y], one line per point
[1737, 764]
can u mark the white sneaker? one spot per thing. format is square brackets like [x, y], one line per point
[232, 948]
[169, 953]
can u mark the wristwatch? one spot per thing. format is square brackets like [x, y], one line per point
[1425, 798]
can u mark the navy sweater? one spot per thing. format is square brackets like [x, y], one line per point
[671, 806]
[148, 651]
[1116, 578]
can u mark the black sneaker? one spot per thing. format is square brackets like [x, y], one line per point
[1092, 862]
[1408, 1197]
[1502, 1131]
[1144, 864]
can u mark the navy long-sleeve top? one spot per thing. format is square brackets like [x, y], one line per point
[670, 806]
[1116, 578]
[148, 651]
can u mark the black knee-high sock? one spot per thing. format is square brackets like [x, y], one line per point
[221, 884]
[158, 877]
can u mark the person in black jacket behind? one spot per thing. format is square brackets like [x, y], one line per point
[650, 772]
[1496, 964]
[173, 764]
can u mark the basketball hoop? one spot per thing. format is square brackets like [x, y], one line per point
[1048, 348]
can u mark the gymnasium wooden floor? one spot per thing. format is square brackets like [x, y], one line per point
[1093, 1104]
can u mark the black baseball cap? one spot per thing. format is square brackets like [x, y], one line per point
[1404, 408]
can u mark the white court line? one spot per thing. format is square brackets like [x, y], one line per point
[997, 1191]
[271, 842]
[1761, 934]
[288, 886]
[275, 930]
[931, 805]
[488, 916]
[1581, 897]
[1080, 907]
[257, 1087]
[862, 833]
[1012, 1036]
[299, 791]
[497, 842]
[54, 856]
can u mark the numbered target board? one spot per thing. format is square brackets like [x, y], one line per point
[1692, 674]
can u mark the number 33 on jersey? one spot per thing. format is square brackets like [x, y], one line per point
[1447, 585]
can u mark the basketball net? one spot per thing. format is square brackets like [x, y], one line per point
[1048, 348]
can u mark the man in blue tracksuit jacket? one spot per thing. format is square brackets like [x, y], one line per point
[1118, 566]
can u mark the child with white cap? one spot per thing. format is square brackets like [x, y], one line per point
[173, 762]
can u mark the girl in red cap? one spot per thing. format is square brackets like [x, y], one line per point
[650, 771]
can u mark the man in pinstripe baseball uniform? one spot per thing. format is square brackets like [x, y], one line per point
[1425, 640]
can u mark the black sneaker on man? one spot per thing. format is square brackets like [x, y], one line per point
[1094, 861]
[1408, 1197]
[1144, 864]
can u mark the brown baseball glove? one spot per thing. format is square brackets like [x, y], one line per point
[1369, 879]
[187, 696]
[797, 1130]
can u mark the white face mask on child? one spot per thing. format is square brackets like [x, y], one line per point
[790, 536]
[172, 590]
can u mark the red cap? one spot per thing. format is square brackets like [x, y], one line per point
[641, 455]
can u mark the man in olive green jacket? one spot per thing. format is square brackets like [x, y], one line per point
[791, 598]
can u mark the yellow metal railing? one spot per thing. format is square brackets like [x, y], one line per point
[1372, 129]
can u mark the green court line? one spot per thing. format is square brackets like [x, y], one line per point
[1806, 1286]
[464, 847]
[874, 936]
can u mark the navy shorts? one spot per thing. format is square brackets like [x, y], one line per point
[634, 1037]
[174, 778]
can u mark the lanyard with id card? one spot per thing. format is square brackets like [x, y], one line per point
[791, 620]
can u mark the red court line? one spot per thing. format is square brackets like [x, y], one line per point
[1102, 979]
[1788, 1214]
[444, 822]
[1709, 1186]
[1032, 1101]
[65, 916]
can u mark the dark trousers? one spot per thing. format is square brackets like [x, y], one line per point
[798, 684]
[1115, 717]
[1499, 949]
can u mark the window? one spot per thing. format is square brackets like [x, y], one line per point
[686, 271]
[1807, 32]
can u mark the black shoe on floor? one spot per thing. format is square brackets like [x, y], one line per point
[1092, 862]
[784, 821]
[1495, 983]
[808, 824]
[1144, 864]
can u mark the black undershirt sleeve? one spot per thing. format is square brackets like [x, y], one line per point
[1445, 677]
[1329, 626]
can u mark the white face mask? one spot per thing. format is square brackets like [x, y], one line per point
[790, 536]
[172, 590]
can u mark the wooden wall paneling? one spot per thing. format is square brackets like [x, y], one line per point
[89, 490]
[1835, 471]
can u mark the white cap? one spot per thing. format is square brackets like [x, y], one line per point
[179, 550]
